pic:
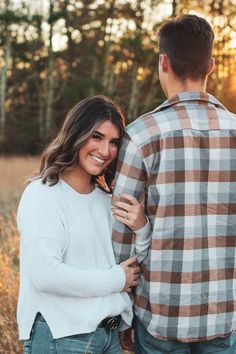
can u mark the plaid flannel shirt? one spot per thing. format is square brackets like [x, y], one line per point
[184, 154]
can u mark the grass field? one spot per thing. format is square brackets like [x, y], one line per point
[12, 182]
[13, 171]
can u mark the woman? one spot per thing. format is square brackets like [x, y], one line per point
[73, 297]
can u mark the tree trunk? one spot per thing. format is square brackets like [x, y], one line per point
[174, 8]
[49, 80]
[110, 86]
[151, 92]
[108, 45]
[4, 88]
[133, 102]
[94, 72]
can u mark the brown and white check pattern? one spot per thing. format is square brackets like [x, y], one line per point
[184, 154]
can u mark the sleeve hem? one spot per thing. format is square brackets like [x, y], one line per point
[143, 233]
[118, 278]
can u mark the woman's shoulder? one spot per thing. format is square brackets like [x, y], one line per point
[39, 199]
[103, 193]
[37, 185]
[40, 191]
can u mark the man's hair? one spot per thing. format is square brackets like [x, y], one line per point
[188, 42]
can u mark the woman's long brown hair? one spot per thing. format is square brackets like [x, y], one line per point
[79, 124]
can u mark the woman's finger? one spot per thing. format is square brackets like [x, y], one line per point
[130, 198]
[135, 283]
[137, 270]
[120, 212]
[123, 220]
[123, 205]
[131, 217]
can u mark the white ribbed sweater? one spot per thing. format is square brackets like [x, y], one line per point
[67, 266]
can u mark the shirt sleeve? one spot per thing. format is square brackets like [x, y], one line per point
[43, 243]
[130, 178]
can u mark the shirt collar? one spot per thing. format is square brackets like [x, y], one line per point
[189, 96]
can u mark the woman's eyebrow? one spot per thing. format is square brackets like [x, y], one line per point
[102, 135]
[97, 132]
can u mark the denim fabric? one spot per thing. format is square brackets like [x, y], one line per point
[147, 344]
[98, 342]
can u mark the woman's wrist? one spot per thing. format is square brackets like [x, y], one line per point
[141, 224]
[143, 231]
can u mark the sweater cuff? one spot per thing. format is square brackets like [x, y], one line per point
[118, 278]
[142, 242]
[144, 233]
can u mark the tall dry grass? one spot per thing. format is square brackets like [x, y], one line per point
[12, 181]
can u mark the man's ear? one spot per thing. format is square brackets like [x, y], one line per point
[164, 62]
[211, 66]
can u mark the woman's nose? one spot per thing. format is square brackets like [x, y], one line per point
[104, 149]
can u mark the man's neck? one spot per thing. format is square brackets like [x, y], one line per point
[188, 85]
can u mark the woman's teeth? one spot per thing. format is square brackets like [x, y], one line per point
[97, 159]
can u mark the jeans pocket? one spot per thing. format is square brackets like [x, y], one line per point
[157, 344]
[221, 342]
[82, 337]
[27, 346]
[80, 343]
[164, 346]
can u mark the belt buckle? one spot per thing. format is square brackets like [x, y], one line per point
[112, 323]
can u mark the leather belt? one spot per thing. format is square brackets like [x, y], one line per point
[110, 323]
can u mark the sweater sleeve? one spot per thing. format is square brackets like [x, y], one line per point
[50, 275]
[142, 242]
[43, 241]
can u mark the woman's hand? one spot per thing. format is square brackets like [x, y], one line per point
[132, 272]
[129, 211]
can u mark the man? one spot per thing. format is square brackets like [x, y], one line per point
[183, 155]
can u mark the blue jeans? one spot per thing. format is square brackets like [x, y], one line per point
[100, 341]
[147, 344]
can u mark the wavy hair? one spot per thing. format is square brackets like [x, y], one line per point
[79, 124]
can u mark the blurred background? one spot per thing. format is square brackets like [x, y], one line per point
[55, 53]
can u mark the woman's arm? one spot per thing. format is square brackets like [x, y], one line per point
[130, 212]
[43, 243]
[49, 274]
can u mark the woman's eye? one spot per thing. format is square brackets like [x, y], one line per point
[115, 142]
[96, 137]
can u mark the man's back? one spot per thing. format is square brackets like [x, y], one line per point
[188, 150]
[183, 155]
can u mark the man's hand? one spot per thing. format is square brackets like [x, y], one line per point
[132, 272]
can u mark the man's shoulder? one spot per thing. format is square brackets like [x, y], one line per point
[140, 122]
[177, 113]
[144, 127]
[151, 125]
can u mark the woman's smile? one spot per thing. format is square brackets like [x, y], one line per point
[97, 159]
